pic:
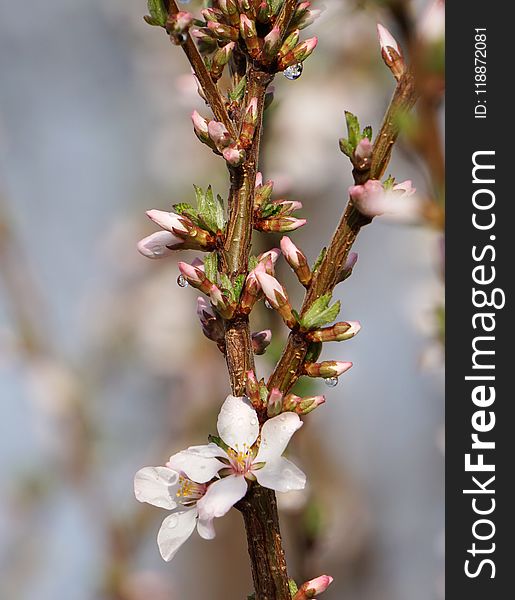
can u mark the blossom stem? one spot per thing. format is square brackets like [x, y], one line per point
[290, 366]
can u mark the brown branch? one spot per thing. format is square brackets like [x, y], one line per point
[289, 367]
[211, 91]
[285, 15]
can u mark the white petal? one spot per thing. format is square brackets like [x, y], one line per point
[175, 530]
[206, 529]
[238, 424]
[195, 466]
[275, 435]
[210, 450]
[281, 475]
[221, 496]
[157, 486]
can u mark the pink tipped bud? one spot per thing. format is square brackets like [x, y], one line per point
[339, 332]
[298, 54]
[234, 155]
[308, 18]
[272, 43]
[351, 261]
[168, 220]
[369, 198]
[249, 34]
[250, 119]
[327, 369]
[391, 52]
[406, 187]
[219, 134]
[159, 244]
[268, 260]
[259, 179]
[200, 125]
[194, 275]
[223, 32]
[289, 44]
[363, 153]
[297, 260]
[260, 341]
[220, 58]
[212, 326]
[276, 296]
[280, 224]
[307, 405]
[263, 193]
[252, 390]
[274, 403]
[314, 587]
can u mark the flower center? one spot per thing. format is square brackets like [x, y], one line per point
[241, 460]
[190, 491]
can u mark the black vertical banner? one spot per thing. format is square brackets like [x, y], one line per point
[480, 363]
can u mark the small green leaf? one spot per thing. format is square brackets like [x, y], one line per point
[211, 266]
[263, 392]
[389, 182]
[158, 13]
[214, 439]
[353, 129]
[320, 313]
[239, 91]
[367, 133]
[219, 212]
[226, 285]
[346, 147]
[188, 211]
[210, 211]
[293, 587]
[238, 284]
[319, 260]
[314, 351]
[253, 262]
[270, 210]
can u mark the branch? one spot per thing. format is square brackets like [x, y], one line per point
[209, 87]
[289, 367]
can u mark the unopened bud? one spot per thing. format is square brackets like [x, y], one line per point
[298, 54]
[277, 297]
[252, 390]
[219, 134]
[263, 193]
[212, 14]
[289, 44]
[223, 32]
[159, 244]
[268, 259]
[200, 127]
[205, 39]
[308, 404]
[279, 224]
[339, 332]
[220, 58]
[368, 198]
[272, 43]
[249, 34]
[178, 25]
[212, 325]
[193, 237]
[327, 368]
[314, 587]
[260, 341]
[363, 154]
[262, 13]
[297, 260]
[233, 155]
[230, 10]
[274, 404]
[250, 119]
[391, 52]
[251, 292]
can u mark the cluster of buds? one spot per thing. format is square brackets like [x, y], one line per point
[274, 215]
[178, 233]
[253, 24]
[391, 52]
[327, 369]
[374, 198]
[252, 289]
[215, 135]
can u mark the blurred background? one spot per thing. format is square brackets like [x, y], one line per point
[103, 367]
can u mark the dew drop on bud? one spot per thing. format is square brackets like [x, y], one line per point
[178, 38]
[293, 72]
[267, 304]
[181, 281]
[331, 381]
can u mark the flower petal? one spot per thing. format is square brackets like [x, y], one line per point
[206, 529]
[281, 475]
[195, 466]
[157, 486]
[210, 450]
[221, 496]
[238, 424]
[175, 530]
[275, 435]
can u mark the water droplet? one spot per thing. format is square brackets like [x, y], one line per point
[331, 381]
[282, 418]
[181, 281]
[253, 422]
[293, 72]
[172, 521]
[267, 304]
[178, 38]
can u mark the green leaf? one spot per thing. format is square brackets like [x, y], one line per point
[263, 392]
[219, 212]
[367, 133]
[320, 313]
[389, 183]
[314, 351]
[238, 284]
[293, 587]
[274, 6]
[253, 262]
[270, 210]
[239, 91]
[158, 13]
[211, 266]
[346, 147]
[353, 129]
[319, 260]
[188, 211]
[210, 212]
[226, 285]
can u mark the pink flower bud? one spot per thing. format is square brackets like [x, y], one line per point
[159, 244]
[212, 326]
[327, 368]
[272, 42]
[314, 587]
[168, 220]
[387, 41]
[260, 341]
[406, 187]
[280, 224]
[274, 403]
[268, 259]
[307, 405]
[200, 124]
[363, 152]
[369, 198]
[234, 155]
[339, 332]
[291, 252]
[194, 275]
[259, 178]
[219, 134]
[252, 390]
[273, 290]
